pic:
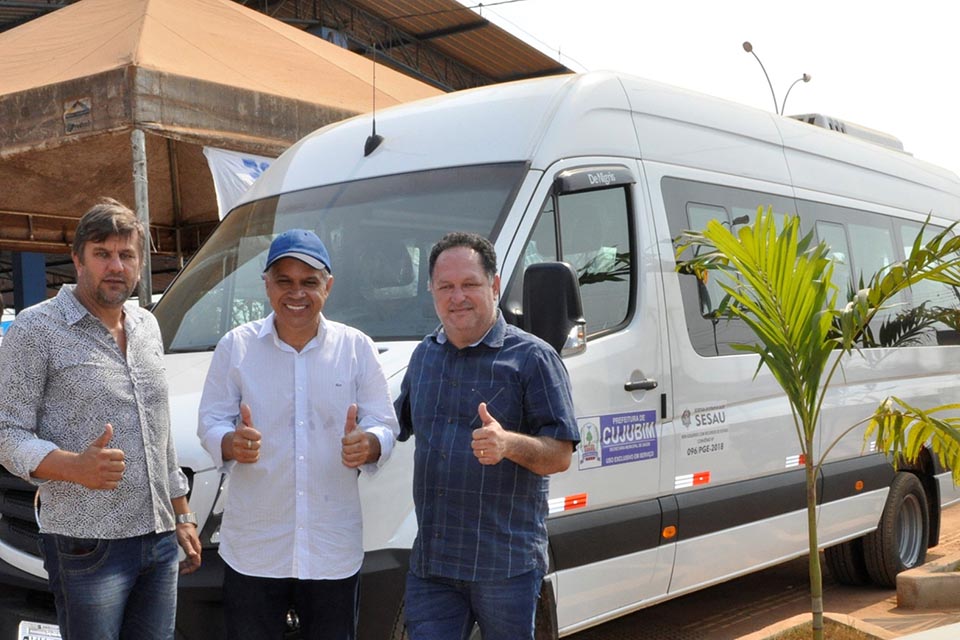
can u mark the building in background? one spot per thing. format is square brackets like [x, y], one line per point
[71, 119]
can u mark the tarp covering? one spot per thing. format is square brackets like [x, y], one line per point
[213, 40]
[75, 83]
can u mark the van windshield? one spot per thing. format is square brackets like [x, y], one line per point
[378, 232]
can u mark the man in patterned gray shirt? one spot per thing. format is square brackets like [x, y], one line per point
[84, 415]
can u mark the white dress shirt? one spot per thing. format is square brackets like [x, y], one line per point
[295, 513]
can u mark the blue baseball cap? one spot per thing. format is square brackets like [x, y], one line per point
[301, 244]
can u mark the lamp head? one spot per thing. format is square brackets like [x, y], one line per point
[807, 77]
[747, 46]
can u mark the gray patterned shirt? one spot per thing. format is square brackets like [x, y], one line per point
[62, 378]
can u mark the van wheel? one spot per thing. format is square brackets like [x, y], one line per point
[846, 563]
[900, 541]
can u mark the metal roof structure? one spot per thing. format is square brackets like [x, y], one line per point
[440, 42]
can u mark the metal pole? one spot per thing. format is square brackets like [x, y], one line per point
[142, 206]
[749, 49]
[804, 78]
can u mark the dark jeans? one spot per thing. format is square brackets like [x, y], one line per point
[443, 609]
[256, 608]
[106, 589]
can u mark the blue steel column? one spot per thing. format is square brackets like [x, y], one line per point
[29, 279]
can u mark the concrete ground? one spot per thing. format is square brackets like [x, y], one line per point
[879, 607]
[744, 608]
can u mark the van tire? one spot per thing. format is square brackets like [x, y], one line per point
[900, 540]
[846, 563]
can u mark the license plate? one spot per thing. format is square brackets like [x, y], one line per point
[37, 631]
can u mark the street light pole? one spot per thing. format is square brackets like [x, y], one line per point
[749, 49]
[804, 78]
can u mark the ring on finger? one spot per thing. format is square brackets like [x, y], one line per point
[249, 444]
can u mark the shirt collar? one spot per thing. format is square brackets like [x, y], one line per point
[493, 338]
[74, 311]
[268, 329]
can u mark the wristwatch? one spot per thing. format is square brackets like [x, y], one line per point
[187, 518]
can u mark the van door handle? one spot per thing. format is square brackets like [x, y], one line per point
[640, 385]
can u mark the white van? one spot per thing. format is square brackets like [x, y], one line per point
[689, 470]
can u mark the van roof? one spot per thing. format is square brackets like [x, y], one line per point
[608, 114]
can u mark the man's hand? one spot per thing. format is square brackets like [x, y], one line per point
[490, 440]
[542, 455]
[243, 443]
[98, 467]
[357, 447]
[189, 541]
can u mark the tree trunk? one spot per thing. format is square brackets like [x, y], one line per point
[816, 576]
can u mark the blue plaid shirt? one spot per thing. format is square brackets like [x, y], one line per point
[481, 522]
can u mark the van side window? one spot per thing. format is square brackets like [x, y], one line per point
[865, 241]
[873, 249]
[835, 236]
[691, 205]
[591, 231]
[698, 215]
[933, 294]
[595, 239]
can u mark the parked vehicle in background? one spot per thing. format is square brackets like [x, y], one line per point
[688, 472]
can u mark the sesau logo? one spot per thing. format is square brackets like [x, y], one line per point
[708, 416]
[602, 178]
[707, 419]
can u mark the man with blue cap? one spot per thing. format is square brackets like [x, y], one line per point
[293, 406]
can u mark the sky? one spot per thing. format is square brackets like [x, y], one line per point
[891, 66]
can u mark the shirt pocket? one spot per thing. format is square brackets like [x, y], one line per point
[336, 396]
[504, 400]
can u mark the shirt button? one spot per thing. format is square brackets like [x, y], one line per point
[299, 493]
[300, 458]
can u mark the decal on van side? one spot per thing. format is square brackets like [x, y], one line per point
[705, 431]
[617, 438]
[567, 503]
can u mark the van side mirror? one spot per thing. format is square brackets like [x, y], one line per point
[552, 309]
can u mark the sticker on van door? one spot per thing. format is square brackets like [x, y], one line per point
[705, 430]
[617, 438]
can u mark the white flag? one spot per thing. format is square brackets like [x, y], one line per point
[233, 173]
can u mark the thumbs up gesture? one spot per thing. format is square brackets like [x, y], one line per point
[489, 439]
[357, 447]
[100, 467]
[244, 442]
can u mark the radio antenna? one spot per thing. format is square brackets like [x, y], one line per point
[373, 140]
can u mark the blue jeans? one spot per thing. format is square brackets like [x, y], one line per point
[443, 609]
[256, 608]
[105, 589]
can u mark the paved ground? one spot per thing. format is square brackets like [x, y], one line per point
[746, 605]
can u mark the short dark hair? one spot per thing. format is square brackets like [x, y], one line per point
[107, 218]
[488, 255]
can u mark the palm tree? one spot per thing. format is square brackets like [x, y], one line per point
[779, 284]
